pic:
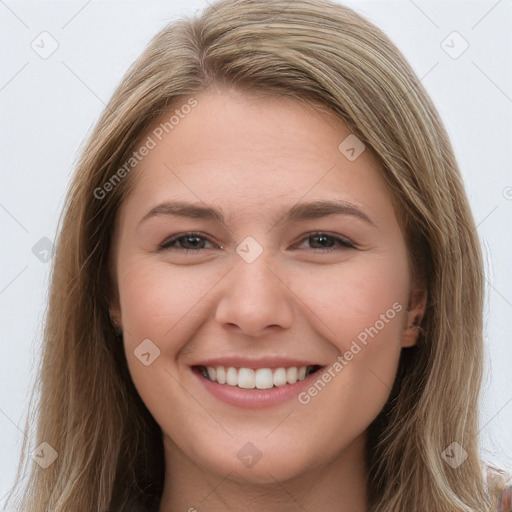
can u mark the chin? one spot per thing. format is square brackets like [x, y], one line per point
[242, 462]
[263, 473]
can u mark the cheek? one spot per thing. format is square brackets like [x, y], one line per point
[167, 305]
[364, 307]
[155, 297]
[354, 296]
[160, 303]
[360, 308]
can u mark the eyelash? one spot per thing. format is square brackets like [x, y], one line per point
[166, 244]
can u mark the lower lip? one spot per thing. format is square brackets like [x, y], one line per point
[256, 398]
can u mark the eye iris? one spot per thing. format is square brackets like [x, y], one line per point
[321, 239]
[186, 239]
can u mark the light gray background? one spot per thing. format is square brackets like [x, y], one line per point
[48, 107]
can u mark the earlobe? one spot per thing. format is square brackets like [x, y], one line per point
[415, 313]
[411, 335]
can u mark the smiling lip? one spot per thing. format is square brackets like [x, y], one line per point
[255, 398]
[260, 362]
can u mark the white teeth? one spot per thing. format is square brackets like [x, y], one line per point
[291, 375]
[232, 376]
[279, 377]
[221, 375]
[211, 373]
[246, 378]
[262, 378]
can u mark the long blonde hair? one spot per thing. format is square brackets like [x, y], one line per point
[110, 452]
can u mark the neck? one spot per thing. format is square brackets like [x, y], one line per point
[336, 486]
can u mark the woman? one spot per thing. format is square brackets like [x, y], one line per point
[267, 293]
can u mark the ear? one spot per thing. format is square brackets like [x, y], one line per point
[113, 299]
[115, 315]
[114, 311]
[415, 312]
[115, 319]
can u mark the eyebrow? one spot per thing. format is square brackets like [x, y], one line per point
[298, 212]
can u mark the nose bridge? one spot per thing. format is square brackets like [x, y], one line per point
[253, 296]
[254, 282]
[256, 277]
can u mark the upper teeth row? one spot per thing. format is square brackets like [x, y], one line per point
[262, 378]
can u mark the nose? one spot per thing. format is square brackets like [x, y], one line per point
[254, 299]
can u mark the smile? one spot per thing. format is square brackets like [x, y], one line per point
[260, 378]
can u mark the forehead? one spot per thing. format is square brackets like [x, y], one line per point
[250, 151]
[230, 122]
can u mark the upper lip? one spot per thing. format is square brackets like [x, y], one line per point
[255, 362]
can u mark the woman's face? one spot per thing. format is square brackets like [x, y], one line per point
[271, 286]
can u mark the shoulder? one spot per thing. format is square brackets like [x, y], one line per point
[503, 501]
[500, 486]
